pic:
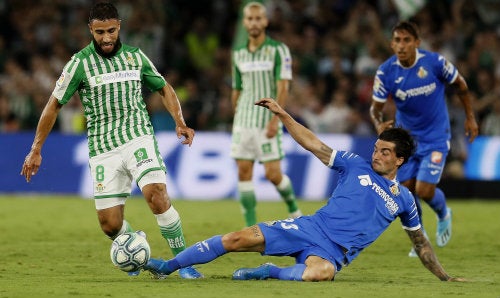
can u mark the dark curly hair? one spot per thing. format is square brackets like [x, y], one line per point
[405, 145]
[103, 11]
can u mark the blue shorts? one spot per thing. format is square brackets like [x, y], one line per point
[426, 164]
[300, 238]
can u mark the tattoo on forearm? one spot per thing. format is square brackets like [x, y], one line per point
[426, 254]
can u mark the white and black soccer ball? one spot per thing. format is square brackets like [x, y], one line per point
[130, 251]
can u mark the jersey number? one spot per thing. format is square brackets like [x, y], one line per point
[99, 173]
[288, 224]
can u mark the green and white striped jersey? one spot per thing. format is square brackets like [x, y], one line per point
[255, 74]
[110, 90]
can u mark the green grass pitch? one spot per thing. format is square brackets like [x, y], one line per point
[53, 247]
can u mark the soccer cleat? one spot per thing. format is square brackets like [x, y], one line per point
[134, 273]
[260, 273]
[443, 234]
[412, 253]
[190, 273]
[156, 268]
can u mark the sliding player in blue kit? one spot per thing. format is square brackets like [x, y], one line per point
[416, 80]
[366, 201]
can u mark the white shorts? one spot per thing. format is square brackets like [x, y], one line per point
[253, 144]
[113, 172]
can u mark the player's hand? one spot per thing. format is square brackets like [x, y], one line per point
[471, 129]
[31, 165]
[187, 133]
[270, 104]
[384, 125]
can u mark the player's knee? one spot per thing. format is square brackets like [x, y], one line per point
[110, 227]
[319, 272]
[274, 176]
[231, 241]
[425, 193]
[318, 275]
[156, 196]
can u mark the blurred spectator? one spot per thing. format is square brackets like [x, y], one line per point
[491, 123]
[334, 45]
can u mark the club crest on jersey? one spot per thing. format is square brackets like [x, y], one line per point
[99, 187]
[130, 60]
[422, 73]
[394, 189]
[436, 157]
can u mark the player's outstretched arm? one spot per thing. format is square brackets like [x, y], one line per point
[299, 133]
[33, 160]
[171, 102]
[428, 257]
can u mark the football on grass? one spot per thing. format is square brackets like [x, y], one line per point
[130, 251]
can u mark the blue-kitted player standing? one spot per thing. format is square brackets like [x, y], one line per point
[365, 202]
[416, 80]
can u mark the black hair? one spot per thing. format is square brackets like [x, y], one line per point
[103, 11]
[405, 145]
[407, 26]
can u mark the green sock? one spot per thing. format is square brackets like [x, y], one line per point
[285, 189]
[248, 202]
[171, 229]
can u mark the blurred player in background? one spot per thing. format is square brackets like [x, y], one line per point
[416, 80]
[366, 201]
[262, 67]
[109, 76]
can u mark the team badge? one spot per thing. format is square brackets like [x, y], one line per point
[394, 189]
[99, 187]
[422, 73]
[436, 157]
[130, 60]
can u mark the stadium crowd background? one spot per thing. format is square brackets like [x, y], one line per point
[336, 45]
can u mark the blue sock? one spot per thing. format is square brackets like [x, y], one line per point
[289, 273]
[200, 253]
[438, 203]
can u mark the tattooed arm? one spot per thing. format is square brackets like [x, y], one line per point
[428, 257]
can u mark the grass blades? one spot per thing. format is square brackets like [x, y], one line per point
[53, 247]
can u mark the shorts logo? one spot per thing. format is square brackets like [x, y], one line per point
[141, 156]
[436, 157]
[99, 187]
[266, 148]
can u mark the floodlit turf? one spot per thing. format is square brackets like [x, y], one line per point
[53, 247]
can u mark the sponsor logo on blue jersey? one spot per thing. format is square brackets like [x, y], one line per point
[390, 204]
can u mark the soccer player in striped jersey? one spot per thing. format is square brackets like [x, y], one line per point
[262, 67]
[416, 80]
[108, 77]
[366, 201]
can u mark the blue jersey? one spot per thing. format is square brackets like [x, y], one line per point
[418, 92]
[363, 205]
